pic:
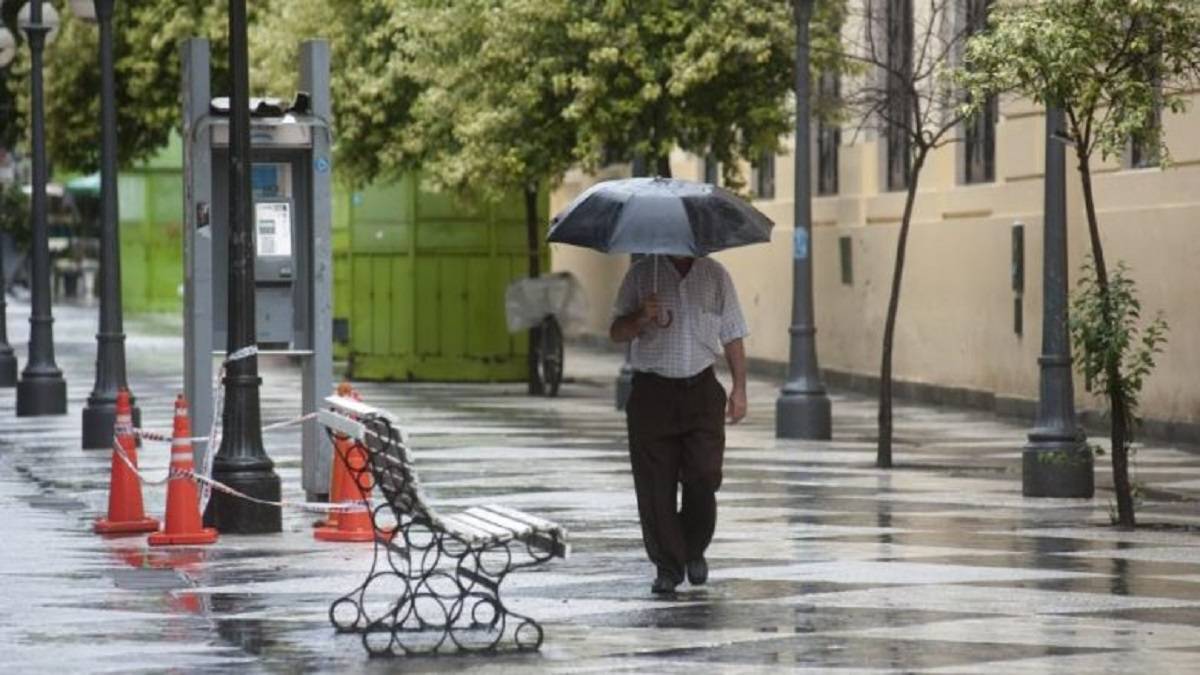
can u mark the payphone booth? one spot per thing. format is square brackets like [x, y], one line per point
[290, 180]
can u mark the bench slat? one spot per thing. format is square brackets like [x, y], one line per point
[515, 526]
[464, 529]
[522, 517]
[496, 531]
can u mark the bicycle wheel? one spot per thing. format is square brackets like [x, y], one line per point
[550, 356]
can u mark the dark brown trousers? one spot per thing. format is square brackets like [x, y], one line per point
[676, 435]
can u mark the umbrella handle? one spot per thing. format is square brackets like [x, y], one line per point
[661, 324]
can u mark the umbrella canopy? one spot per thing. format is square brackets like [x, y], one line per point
[662, 216]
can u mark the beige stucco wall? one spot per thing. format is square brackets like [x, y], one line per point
[955, 324]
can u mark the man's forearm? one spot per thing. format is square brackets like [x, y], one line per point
[735, 356]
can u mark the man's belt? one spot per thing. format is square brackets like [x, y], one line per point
[691, 381]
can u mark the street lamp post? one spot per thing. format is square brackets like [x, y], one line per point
[42, 389]
[802, 409]
[1057, 461]
[241, 462]
[99, 415]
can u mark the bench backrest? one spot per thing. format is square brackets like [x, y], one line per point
[389, 459]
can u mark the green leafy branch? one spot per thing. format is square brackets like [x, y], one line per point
[1115, 352]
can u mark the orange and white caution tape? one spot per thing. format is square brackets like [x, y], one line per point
[174, 473]
[148, 435]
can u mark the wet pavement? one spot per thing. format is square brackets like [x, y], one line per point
[820, 562]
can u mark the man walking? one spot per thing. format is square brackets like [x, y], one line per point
[681, 317]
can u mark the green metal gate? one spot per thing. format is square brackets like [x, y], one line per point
[151, 197]
[428, 273]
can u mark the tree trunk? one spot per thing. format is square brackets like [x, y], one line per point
[535, 267]
[662, 166]
[1118, 409]
[883, 457]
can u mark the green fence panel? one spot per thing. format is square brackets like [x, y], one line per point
[428, 274]
[151, 224]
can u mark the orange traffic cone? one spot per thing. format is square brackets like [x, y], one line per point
[353, 524]
[184, 526]
[337, 473]
[125, 512]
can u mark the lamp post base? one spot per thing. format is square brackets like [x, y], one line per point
[1057, 468]
[624, 386]
[8, 368]
[234, 515]
[38, 396]
[804, 415]
[99, 421]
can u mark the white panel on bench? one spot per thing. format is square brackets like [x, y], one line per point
[342, 424]
[356, 407]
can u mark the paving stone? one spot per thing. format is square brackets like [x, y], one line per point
[820, 562]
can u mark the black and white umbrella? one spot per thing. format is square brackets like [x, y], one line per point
[659, 216]
[663, 216]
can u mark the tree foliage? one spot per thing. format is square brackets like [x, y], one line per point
[14, 212]
[1116, 355]
[1123, 341]
[147, 37]
[709, 77]
[495, 82]
[371, 83]
[501, 89]
[1110, 64]
[147, 71]
[11, 114]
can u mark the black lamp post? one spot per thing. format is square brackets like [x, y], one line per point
[241, 462]
[802, 409]
[42, 389]
[100, 412]
[1056, 462]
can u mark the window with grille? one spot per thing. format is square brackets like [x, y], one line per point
[1143, 147]
[829, 139]
[712, 170]
[979, 130]
[764, 176]
[1142, 153]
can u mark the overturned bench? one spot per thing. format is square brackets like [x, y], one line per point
[434, 582]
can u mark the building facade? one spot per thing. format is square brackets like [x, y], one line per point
[969, 325]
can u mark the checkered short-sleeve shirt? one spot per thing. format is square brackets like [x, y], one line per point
[705, 314]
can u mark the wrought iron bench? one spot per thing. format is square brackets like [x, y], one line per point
[434, 582]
